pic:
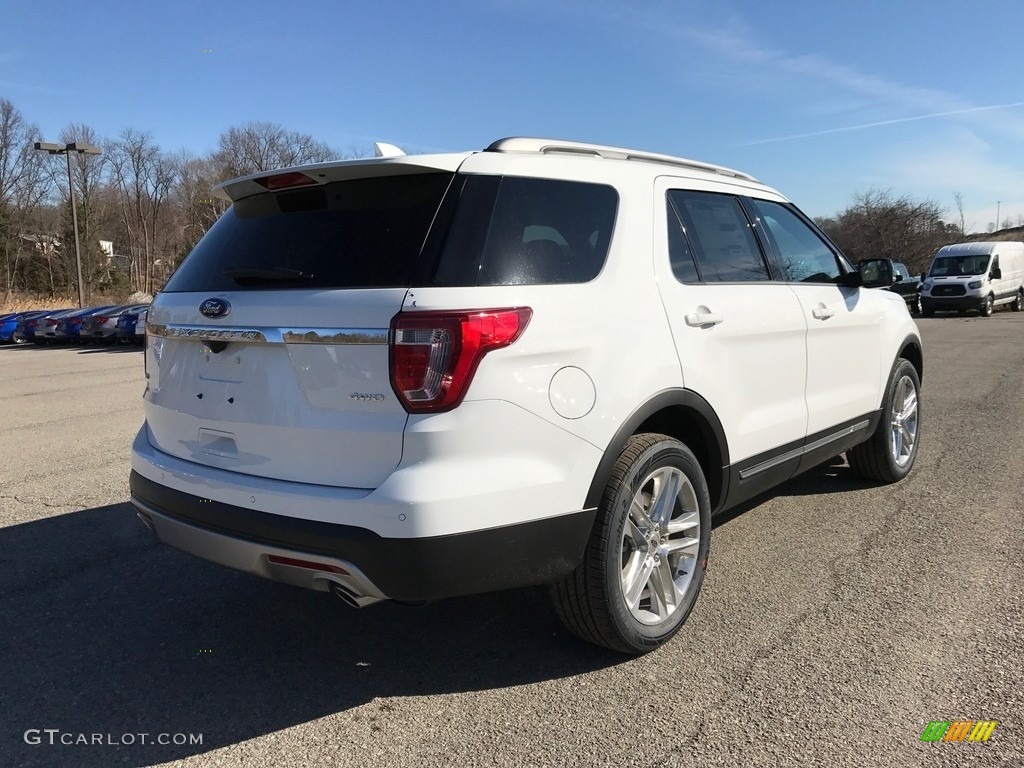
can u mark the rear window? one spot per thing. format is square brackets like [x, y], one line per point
[359, 233]
[525, 231]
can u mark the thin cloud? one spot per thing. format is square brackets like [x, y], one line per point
[881, 123]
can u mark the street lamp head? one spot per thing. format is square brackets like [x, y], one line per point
[74, 146]
[85, 149]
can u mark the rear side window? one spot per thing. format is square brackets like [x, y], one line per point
[720, 234]
[359, 233]
[525, 231]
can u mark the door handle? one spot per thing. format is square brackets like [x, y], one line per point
[822, 312]
[702, 319]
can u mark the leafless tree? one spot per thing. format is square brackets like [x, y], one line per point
[264, 146]
[23, 187]
[881, 224]
[144, 177]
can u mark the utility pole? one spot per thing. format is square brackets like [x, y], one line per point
[67, 150]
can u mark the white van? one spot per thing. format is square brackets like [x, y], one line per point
[977, 276]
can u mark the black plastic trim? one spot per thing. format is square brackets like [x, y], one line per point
[536, 552]
[713, 434]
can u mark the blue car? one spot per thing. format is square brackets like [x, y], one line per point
[25, 330]
[69, 328]
[8, 323]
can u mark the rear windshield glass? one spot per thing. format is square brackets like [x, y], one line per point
[526, 231]
[359, 233]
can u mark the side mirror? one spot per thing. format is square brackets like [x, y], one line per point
[876, 273]
[897, 277]
[923, 276]
[996, 274]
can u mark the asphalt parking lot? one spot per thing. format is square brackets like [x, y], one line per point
[837, 620]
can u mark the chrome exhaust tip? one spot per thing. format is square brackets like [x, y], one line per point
[345, 595]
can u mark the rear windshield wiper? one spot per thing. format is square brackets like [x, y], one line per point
[266, 276]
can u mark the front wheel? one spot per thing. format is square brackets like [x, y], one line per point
[1018, 303]
[646, 557]
[987, 307]
[889, 454]
[915, 306]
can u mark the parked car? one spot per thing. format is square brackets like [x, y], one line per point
[571, 357]
[980, 276]
[70, 327]
[102, 326]
[8, 324]
[46, 327]
[908, 286]
[25, 330]
[131, 327]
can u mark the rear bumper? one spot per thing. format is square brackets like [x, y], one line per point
[367, 565]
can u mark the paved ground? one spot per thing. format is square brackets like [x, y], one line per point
[837, 619]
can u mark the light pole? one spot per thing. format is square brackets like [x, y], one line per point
[998, 203]
[66, 150]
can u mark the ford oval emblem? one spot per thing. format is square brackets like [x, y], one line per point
[215, 308]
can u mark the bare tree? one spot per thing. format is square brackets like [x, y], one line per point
[880, 224]
[23, 187]
[144, 177]
[959, 200]
[263, 146]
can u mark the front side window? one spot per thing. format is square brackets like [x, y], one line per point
[804, 256]
[720, 235]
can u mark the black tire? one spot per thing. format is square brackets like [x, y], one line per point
[879, 458]
[592, 601]
[1018, 303]
[987, 307]
[916, 309]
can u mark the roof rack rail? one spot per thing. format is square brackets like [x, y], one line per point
[555, 146]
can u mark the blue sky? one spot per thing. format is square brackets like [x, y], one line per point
[818, 99]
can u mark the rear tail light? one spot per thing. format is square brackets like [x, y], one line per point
[51, 322]
[435, 354]
[31, 323]
[99, 320]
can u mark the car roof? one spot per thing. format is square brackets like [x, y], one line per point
[338, 170]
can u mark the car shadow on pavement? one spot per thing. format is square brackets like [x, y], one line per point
[107, 633]
[832, 476]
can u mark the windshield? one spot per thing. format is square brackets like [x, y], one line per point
[955, 266]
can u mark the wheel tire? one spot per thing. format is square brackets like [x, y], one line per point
[1018, 303]
[618, 597]
[886, 455]
[987, 307]
[916, 309]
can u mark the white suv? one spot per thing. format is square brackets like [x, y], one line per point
[549, 362]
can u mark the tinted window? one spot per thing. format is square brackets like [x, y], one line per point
[519, 231]
[720, 234]
[360, 233]
[679, 253]
[804, 256]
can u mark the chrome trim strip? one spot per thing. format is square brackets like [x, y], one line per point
[746, 474]
[335, 336]
[837, 436]
[766, 465]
